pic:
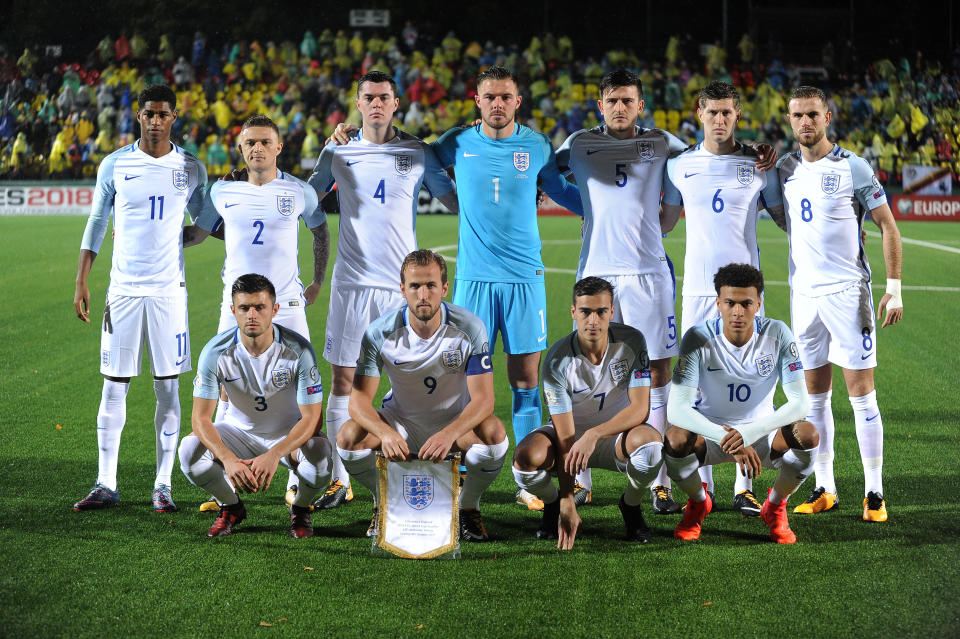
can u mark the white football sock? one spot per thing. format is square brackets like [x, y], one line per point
[683, 471]
[537, 482]
[204, 472]
[337, 414]
[795, 467]
[110, 420]
[658, 419]
[585, 477]
[362, 466]
[821, 416]
[166, 421]
[866, 416]
[312, 470]
[483, 465]
[643, 465]
[706, 476]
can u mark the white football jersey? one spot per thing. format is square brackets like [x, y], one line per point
[264, 391]
[377, 186]
[825, 203]
[595, 393]
[261, 224]
[737, 384]
[721, 197]
[428, 377]
[149, 197]
[620, 183]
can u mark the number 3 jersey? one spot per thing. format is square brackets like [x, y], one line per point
[721, 196]
[264, 391]
[595, 392]
[428, 377]
[737, 383]
[826, 202]
[261, 225]
[148, 197]
[377, 186]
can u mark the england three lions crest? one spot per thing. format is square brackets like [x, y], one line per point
[403, 164]
[830, 183]
[745, 174]
[451, 359]
[618, 370]
[285, 205]
[418, 491]
[765, 365]
[281, 377]
[645, 150]
[521, 160]
[180, 179]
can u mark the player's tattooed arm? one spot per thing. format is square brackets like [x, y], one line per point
[321, 253]
[779, 216]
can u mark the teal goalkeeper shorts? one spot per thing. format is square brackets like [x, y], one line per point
[517, 311]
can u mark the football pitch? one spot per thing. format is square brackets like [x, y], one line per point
[129, 571]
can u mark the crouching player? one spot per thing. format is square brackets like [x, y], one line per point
[597, 385]
[270, 376]
[736, 361]
[437, 359]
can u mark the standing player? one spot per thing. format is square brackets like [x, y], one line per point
[498, 164]
[827, 192]
[437, 359]
[735, 361]
[270, 375]
[259, 218]
[148, 185]
[597, 384]
[719, 187]
[378, 174]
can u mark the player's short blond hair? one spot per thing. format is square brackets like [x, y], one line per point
[424, 257]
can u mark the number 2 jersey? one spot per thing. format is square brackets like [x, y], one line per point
[377, 187]
[825, 203]
[428, 377]
[721, 196]
[595, 392]
[737, 383]
[261, 225]
[264, 391]
[149, 197]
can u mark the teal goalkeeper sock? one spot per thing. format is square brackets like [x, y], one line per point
[527, 414]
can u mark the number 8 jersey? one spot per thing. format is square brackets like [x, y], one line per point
[825, 203]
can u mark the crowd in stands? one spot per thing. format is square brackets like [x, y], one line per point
[59, 119]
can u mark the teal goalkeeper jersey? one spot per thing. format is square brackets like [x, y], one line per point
[497, 188]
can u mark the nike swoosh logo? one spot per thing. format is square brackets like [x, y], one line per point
[789, 178]
[593, 151]
[169, 434]
[712, 370]
[180, 361]
[863, 357]
[671, 345]
[540, 339]
[349, 163]
[686, 175]
[581, 390]
[870, 419]
[470, 155]
[130, 177]
[227, 206]
[658, 407]
[397, 362]
[228, 379]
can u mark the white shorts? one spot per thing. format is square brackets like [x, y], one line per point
[292, 317]
[838, 328]
[128, 322]
[763, 446]
[352, 309]
[646, 302]
[700, 308]
[246, 445]
[414, 434]
[604, 455]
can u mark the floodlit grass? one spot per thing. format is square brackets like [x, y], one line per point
[130, 571]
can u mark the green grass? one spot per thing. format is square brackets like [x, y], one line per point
[131, 572]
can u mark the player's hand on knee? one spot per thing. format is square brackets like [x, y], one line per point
[732, 442]
[263, 468]
[394, 447]
[241, 476]
[749, 462]
[579, 454]
[437, 447]
[569, 524]
[341, 134]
